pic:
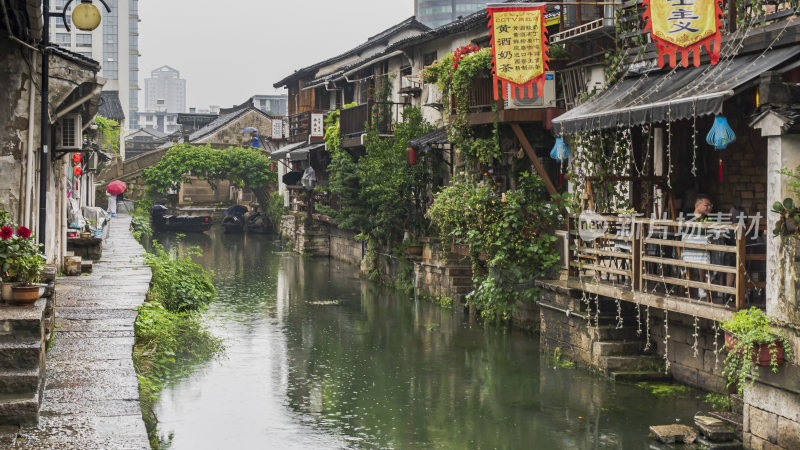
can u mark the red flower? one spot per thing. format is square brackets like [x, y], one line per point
[6, 232]
[23, 232]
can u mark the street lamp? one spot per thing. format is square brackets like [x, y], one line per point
[86, 17]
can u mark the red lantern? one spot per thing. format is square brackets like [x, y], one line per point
[76, 171]
[412, 156]
[76, 158]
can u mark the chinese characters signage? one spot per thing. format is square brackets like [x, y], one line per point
[519, 46]
[683, 26]
[277, 129]
[317, 127]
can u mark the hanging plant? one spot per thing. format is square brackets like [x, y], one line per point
[751, 341]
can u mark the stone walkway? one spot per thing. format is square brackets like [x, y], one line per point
[91, 398]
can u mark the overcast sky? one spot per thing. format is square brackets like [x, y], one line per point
[230, 50]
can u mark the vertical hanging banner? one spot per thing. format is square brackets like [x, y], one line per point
[519, 47]
[683, 26]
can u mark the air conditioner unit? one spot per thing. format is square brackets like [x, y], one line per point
[69, 135]
[522, 101]
[434, 96]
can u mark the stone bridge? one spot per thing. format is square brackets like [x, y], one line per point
[131, 171]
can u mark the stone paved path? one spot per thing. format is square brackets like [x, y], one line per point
[91, 398]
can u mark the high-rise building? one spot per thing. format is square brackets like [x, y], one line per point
[276, 104]
[435, 13]
[115, 44]
[165, 91]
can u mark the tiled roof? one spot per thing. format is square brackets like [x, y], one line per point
[221, 122]
[110, 106]
[409, 23]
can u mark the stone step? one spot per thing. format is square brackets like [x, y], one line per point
[636, 363]
[612, 333]
[714, 429]
[731, 418]
[86, 267]
[645, 375]
[707, 444]
[19, 409]
[21, 322]
[460, 272]
[461, 281]
[617, 348]
[26, 354]
[8, 435]
[17, 381]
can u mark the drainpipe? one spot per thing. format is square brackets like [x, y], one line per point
[44, 155]
[29, 171]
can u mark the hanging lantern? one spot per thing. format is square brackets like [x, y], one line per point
[720, 134]
[76, 171]
[76, 158]
[560, 151]
[412, 156]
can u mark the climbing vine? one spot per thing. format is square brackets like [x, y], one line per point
[455, 80]
[244, 167]
[510, 237]
[107, 133]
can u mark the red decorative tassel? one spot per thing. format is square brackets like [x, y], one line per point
[560, 179]
[720, 171]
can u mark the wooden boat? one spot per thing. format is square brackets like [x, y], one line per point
[234, 221]
[162, 221]
[259, 223]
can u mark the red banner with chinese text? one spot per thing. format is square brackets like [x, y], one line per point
[519, 47]
[684, 26]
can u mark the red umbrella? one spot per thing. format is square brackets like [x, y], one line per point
[116, 187]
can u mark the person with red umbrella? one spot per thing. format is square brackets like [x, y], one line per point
[114, 189]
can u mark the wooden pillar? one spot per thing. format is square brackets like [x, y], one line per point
[741, 254]
[532, 155]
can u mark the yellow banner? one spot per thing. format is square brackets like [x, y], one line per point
[683, 23]
[518, 45]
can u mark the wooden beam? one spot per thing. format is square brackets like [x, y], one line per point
[532, 155]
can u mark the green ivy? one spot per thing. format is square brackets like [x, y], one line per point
[108, 132]
[456, 82]
[510, 238]
[244, 167]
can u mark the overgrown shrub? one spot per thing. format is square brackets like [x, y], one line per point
[179, 283]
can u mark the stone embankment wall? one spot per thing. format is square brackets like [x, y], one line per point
[345, 247]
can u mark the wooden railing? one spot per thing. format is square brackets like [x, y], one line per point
[300, 125]
[662, 257]
[355, 120]
[480, 96]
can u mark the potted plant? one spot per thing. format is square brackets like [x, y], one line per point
[24, 262]
[751, 342]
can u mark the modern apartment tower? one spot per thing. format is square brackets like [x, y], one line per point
[165, 90]
[435, 13]
[115, 44]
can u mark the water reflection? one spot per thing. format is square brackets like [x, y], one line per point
[318, 358]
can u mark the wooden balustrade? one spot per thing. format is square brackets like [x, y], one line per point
[661, 257]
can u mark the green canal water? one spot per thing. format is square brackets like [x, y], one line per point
[319, 358]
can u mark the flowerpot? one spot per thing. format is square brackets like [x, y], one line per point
[25, 295]
[97, 233]
[7, 293]
[85, 234]
[761, 352]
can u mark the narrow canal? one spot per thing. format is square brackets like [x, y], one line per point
[319, 358]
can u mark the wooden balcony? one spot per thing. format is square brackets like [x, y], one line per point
[481, 103]
[356, 120]
[300, 126]
[704, 269]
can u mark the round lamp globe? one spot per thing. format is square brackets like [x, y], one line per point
[86, 16]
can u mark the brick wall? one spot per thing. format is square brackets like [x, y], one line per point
[744, 171]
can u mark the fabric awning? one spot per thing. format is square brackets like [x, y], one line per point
[302, 153]
[283, 152]
[671, 95]
[425, 142]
